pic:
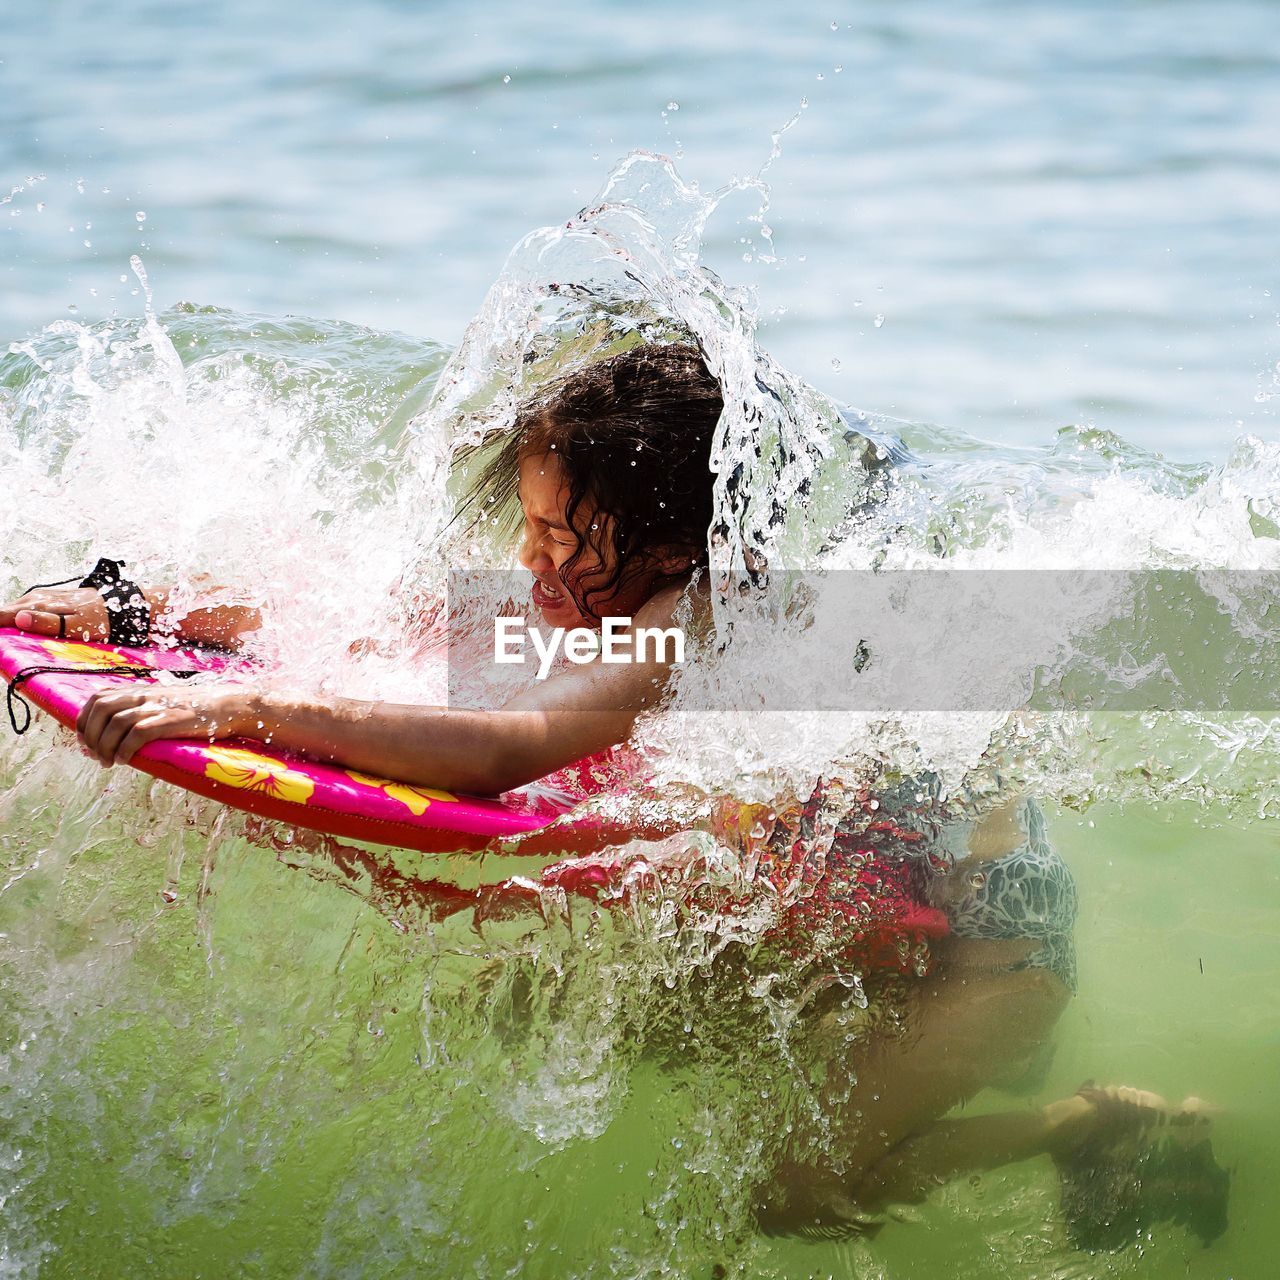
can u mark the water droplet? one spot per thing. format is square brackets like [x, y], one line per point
[839, 67]
[673, 106]
[879, 321]
[140, 216]
[835, 26]
[71, 306]
[821, 76]
[835, 363]
[506, 79]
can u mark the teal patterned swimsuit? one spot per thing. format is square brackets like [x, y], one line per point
[1027, 893]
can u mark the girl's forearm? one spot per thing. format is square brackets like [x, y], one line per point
[220, 624]
[475, 751]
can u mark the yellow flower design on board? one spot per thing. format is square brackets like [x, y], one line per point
[418, 799]
[251, 771]
[71, 654]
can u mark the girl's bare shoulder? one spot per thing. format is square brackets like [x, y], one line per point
[686, 604]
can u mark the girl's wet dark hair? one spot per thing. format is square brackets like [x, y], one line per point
[633, 434]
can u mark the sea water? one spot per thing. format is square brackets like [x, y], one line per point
[228, 1051]
[1001, 219]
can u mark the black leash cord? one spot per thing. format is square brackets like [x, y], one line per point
[40, 586]
[15, 701]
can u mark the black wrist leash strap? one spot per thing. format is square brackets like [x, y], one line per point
[128, 622]
[128, 613]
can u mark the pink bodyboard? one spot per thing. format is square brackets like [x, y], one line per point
[261, 779]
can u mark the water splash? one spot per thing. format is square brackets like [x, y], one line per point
[802, 489]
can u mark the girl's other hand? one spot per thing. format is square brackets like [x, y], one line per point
[67, 613]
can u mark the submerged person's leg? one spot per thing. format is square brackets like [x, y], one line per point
[1127, 1158]
[982, 1018]
[1067, 1129]
[960, 1029]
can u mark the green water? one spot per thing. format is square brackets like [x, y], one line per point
[270, 1077]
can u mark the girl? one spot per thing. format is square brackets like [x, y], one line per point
[609, 476]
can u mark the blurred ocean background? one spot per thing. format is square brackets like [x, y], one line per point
[997, 216]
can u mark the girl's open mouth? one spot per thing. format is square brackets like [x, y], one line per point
[545, 597]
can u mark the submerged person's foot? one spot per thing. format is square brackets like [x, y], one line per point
[801, 1201]
[1129, 1160]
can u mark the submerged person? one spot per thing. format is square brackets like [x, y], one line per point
[610, 471]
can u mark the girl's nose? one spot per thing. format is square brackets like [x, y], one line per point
[533, 554]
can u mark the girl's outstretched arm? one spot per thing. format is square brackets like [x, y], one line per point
[578, 713]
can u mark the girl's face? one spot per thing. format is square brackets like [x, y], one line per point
[549, 543]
